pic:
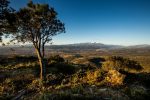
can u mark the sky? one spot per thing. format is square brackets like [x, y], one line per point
[119, 22]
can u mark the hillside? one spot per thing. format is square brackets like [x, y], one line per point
[79, 47]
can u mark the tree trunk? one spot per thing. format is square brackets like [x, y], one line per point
[41, 62]
[43, 50]
[41, 69]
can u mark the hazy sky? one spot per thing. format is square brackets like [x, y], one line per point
[125, 22]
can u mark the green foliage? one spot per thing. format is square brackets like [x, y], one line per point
[7, 18]
[37, 22]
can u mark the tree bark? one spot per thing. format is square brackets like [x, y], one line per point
[41, 69]
[43, 51]
[40, 58]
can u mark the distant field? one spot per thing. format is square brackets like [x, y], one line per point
[142, 55]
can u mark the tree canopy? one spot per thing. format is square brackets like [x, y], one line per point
[36, 24]
[7, 18]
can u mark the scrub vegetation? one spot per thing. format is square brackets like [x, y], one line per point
[85, 73]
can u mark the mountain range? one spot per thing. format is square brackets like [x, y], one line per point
[87, 45]
[96, 46]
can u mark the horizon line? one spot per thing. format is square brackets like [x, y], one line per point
[77, 43]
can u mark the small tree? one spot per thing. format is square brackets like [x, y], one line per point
[37, 23]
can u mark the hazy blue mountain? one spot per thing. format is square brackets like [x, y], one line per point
[86, 46]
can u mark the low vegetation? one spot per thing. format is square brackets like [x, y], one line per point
[120, 63]
[113, 75]
[73, 75]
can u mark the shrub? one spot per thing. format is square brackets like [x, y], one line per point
[91, 77]
[58, 64]
[66, 68]
[97, 61]
[94, 77]
[78, 55]
[120, 63]
[137, 92]
[54, 79]
[114, 78]
[25, 58]
[77, 90]
[63, 67]
[35, 85]
[56, 58]
[7, 88]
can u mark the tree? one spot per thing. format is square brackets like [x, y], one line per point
[37, 23]
[3, 9]
[7, 18]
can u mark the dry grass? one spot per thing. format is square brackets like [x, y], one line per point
[83, 82]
